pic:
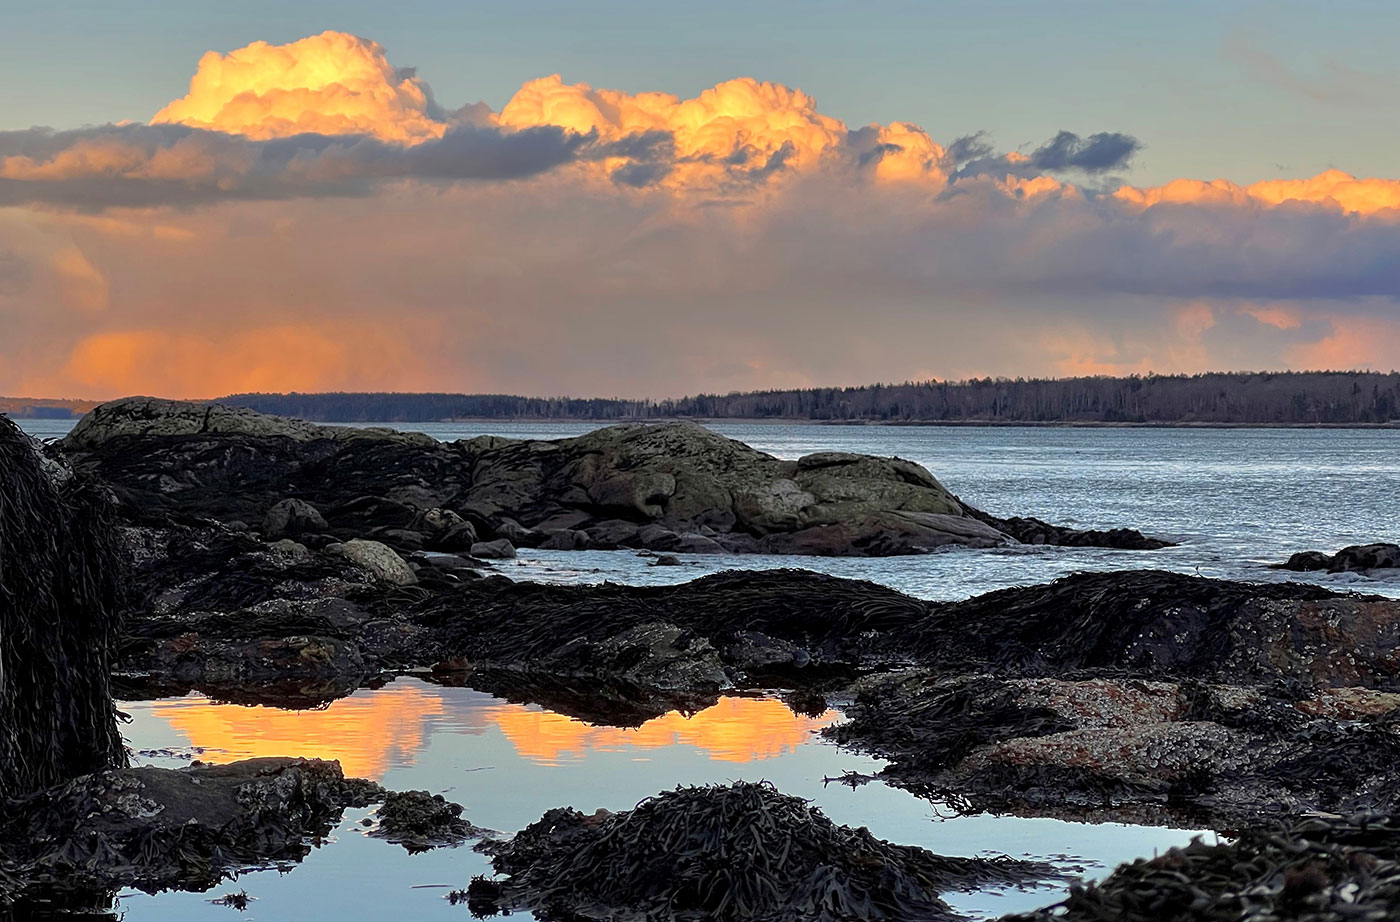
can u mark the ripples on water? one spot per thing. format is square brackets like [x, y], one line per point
[1236, 499]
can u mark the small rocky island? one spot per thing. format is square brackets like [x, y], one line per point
[665, 487]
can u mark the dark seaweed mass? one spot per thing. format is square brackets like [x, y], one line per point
[1319, 869]
[59, 574]
[737, 852]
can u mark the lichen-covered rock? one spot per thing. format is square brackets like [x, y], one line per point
[152, 416]
[378, 559]
[1100, 748]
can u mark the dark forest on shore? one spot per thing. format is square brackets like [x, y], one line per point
[1280, 399]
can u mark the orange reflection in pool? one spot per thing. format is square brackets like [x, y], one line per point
[734, 730]
[367, 733]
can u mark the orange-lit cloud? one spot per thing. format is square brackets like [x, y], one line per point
[587, 240]
[332, 84]
[1280, 317]
[741, 128]
[1333, 189]
[733, 730]
[1367, 343]
[289, 356]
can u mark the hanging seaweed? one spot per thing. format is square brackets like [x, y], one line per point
[59, 578]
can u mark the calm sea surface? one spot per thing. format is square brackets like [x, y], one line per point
[1235, 500]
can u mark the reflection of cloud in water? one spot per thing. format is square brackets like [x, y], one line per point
[734, 730]
[369, 732]
[373, 731]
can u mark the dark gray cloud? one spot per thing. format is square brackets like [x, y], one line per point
[1098, 153]
[143, 165]
[1066, 152]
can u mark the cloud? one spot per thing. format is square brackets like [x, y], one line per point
[1332, 188]
[1280, 317]
[14, 273]
[1098, 153]
[1336, 84]
[588, 240]
[139, 165]
[332, 84]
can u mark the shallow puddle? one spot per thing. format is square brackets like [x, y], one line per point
[508, 763]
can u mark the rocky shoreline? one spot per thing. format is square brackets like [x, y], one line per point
[273, 561]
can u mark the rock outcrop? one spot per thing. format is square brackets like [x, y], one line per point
[1357, 558]
[154, 828]
[673, 487]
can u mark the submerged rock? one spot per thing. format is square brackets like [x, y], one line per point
[738, 852]
[669, 487]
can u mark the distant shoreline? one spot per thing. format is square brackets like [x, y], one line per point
[936, 423]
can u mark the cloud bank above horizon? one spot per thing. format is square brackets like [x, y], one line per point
[309, 217]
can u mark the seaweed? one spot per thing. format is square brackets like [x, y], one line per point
[737, 852]
[1315, 868]
[60, 573]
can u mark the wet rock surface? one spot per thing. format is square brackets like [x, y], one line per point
[1357, 558]
[1187, 752]
[155, 829]
[1318, 868]
[673, 487]
[739, 852]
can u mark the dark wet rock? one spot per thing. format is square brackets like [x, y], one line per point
[1093, 748]
[154, 828]
[1155, 624]
[292, 517]
[500, 549]
[666, 560]
[1035, 531]
[61, 581]
[738, 852]
[1314, 868]
[418, 821]
[669, 487]
[1357, 558]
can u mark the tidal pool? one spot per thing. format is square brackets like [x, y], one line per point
[507, 763]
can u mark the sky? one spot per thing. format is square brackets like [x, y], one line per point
[640, 199]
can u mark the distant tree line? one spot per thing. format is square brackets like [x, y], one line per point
[1284, 398]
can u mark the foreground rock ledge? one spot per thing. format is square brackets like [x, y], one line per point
[667, 487]
[156, 829]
